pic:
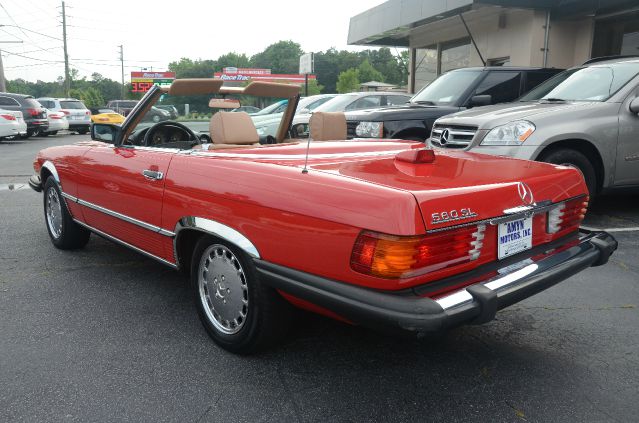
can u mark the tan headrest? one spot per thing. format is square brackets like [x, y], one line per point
[328, 126]
[233, 128]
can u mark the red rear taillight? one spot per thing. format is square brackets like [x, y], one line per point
[88, 113]
[34, 112]
[54, 116]
[8, 117]
[393, 257]
[567, 215]
[66, 112]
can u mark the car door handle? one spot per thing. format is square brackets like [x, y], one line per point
[152, 174]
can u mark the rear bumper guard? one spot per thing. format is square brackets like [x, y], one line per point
[477, 303]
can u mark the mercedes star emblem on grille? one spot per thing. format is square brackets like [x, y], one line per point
[443, 139]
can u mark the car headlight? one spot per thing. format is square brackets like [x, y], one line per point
[370, 129]
[513, 133]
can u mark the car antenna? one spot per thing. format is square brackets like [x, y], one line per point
[308, 145]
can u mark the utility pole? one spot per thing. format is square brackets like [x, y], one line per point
[67, 79]
[122, 63]
[3, 83]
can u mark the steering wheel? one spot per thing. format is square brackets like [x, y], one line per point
[148, 137]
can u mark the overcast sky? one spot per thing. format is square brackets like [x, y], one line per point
[155, 33]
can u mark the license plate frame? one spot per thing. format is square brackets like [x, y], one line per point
[514, 236]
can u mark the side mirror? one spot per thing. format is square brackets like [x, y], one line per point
[299, 131]
[634, 106]
[481, 100]
[104, 132]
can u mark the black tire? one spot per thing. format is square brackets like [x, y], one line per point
[576, 159]
[266, 318]
[52, 133]
[82, 131]
[30, 133]
[44, 134]
[68, 235]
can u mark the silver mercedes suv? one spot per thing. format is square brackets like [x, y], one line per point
[585, 117]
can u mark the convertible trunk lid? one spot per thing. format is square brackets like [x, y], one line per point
[465, 187]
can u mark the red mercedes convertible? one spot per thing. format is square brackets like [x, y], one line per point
[380, 233]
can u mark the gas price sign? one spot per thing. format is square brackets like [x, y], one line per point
[142, 82]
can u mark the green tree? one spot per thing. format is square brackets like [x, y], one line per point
[234, 59]
[368, 73]
[348, 81]
[187, 68]
[281, 57]
[314, 87]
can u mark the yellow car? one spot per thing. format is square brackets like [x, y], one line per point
[106, 116]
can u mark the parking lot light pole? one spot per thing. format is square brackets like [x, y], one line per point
[3, 82]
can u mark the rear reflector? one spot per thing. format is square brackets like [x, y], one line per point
[393, 257]
[418, 155]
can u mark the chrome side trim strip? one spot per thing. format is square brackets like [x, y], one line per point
[126, 244]
[217, 229]
[70, 197]
[120, 216]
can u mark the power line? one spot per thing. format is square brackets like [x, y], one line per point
[32, 58]
[21, 28]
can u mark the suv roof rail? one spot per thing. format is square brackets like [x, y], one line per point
[604, 58]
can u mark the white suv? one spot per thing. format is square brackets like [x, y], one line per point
[77, 114]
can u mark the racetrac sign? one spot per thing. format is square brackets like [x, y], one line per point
[142, 82]
[232, 74]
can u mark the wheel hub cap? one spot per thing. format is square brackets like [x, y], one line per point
[54, 212]
[223, 289]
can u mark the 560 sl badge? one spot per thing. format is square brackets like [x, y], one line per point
[452, 215]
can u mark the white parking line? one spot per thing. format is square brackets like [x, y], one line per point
[628, 229]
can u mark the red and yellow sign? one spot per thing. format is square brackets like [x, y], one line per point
[142, 82]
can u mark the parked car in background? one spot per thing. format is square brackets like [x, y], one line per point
[277, 107]
[350, 102]
[122, 107]
[12, 124]
[57, 122]
[247, 109]
[35, 116]
[78, 116]
[173, 112]
[385, 234]
[586, 117]
[451, 92]
[156, 115]
[267, 124]
[99, 115]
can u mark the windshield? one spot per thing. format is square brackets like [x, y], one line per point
[447, 89]
[594, 83]
[201, 109]
[337, 104]
[64, 104]
[273, 108]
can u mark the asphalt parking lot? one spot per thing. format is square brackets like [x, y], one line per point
[104, 334]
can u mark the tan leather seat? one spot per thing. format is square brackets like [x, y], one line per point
[327, 126]
[233, 129]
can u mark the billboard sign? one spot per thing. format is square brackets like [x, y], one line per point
[306, 63]
[142, 82]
